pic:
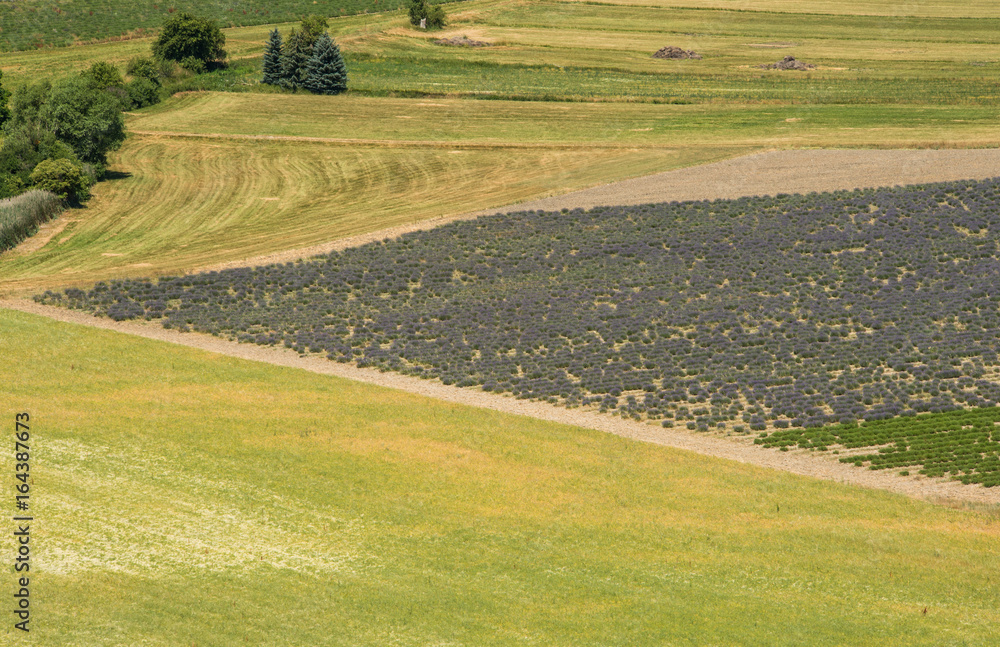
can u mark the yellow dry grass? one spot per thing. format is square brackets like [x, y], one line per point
[190, 202]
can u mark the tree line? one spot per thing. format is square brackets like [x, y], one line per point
[308, 59]
[57, 135]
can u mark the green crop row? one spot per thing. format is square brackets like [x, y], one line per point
[963, 445]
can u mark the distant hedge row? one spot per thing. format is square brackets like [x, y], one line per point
[29, 24]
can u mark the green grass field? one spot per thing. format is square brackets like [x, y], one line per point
[187, 498]
[32, 24]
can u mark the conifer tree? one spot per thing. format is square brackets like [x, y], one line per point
[294, 57]
[272, 59]
[326, 72]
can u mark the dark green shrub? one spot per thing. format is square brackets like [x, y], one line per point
[144, 67]
[10, 185]
[194, 65]
[142, 92]
[185, 36]
[4, 96]
[103, 75]
[61, 177]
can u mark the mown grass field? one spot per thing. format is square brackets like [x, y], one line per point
[191, 202]
[889, 8]
[587, 75]
[187, 498]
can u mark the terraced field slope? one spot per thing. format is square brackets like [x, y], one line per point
[313, 510]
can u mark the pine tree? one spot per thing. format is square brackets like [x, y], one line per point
[326, 72]
[272, 59]
[294, 58]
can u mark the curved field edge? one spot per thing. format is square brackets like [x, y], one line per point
[379, 515]
[186, 203]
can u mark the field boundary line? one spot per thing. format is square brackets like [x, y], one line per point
[408, 143]
[740, 449]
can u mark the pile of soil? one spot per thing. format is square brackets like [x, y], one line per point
[675, 52]
[788, 63]
[460, 41]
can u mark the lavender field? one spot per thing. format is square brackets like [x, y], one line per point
[794, 311]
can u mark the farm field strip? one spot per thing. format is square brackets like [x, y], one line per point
[558, 51]
[892, 10]
[443, 120]
[799, 310]
[736, 448]
[188, 202]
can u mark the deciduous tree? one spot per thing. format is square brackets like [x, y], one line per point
[186, 35]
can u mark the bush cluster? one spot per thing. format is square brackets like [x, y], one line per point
[56, 136]
[308, 59]
[432, 16]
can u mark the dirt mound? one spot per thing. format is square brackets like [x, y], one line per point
[460, 41]
[675, 52]
[788, 63]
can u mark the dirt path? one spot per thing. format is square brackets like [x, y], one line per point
[738, 448]
[768, 173]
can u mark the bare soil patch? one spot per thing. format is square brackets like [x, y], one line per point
[461, 41]
[671, 52]
[788, 63]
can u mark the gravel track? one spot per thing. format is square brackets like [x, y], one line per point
[760, 174]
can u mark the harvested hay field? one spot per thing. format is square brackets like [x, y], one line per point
[768, 173]
[193, 201]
